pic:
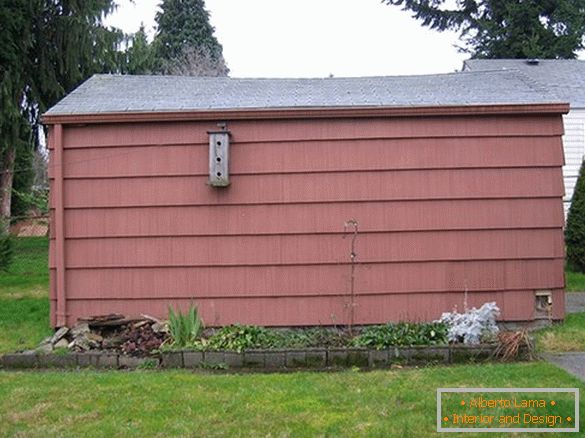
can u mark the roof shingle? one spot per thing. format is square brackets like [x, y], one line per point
[563, 77]
[102, 94]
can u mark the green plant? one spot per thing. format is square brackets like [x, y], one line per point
[36, 198]
[185, 328]
[311, 337]
[61, 351]
[6, 251]
[575, 229]
[402, 334]
[240, 337]
[148, 364]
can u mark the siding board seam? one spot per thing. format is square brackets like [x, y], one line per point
[311, 295]
[283, 142]
[343, 201]
[316, 171]
[325, 263]
[557, 226]
[340, 201]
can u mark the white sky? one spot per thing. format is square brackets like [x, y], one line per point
[314, 38]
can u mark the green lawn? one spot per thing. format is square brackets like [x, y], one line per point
[394, 403]
[575, 281]
[568, 336]
[24, 302]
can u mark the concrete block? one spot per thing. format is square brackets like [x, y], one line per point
[295, 359]
[337, 358]
[234, 359]
[17, 360]
[108, 360]
[192, 359]
[130, 362]
[214, 358]
[423, 355]
[274, 359]
[88, 359]
[316, 358]
[254, 359]
[378, 358]
[471, 353]
[57, 360]
[172, 359]
[357, 357]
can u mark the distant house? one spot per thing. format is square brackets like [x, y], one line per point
[242, 195]
[566, 79]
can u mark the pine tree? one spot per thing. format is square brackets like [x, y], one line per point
[575, 228]
[139, 57]
[185, 36]
[47, 47]
[507, 28]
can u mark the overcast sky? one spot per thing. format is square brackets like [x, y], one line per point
[314, 38]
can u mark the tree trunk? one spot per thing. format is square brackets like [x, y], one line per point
[6, 179]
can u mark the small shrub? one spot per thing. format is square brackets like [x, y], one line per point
[474, 326]
[575, 229]
[185, 328]
[311, 337]
[148, 364]
[6, 251]
[402, 334]
[240, 337]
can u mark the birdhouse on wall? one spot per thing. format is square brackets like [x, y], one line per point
[219, 147]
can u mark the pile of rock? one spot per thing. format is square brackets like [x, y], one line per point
[114, 332]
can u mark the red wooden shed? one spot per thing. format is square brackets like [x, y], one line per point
[246, 196]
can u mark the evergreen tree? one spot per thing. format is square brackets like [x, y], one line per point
[575, 228]
[185, 37]
[507, 28]
[47, 47]
[139, 59]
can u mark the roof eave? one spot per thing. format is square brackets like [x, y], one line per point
[304, 113]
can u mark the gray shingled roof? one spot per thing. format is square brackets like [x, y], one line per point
[115, 93]
[563, 77]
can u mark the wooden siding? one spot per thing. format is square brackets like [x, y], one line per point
[444, 205]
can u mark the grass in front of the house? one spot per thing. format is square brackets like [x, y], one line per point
[567, 336]
[28, 275]
[394, 403]
[24, 296]
[575, 281]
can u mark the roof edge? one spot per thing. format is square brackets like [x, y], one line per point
[303, 113]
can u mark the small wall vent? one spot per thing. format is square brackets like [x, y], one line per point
[543, 304]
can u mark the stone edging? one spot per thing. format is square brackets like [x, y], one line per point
[311, 358]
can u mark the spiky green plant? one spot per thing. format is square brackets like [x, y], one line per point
[185, 328]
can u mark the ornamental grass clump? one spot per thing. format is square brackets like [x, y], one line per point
[186, 328]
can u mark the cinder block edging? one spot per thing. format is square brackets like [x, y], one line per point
[309, 358]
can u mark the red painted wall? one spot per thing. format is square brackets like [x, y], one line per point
[443, 203]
